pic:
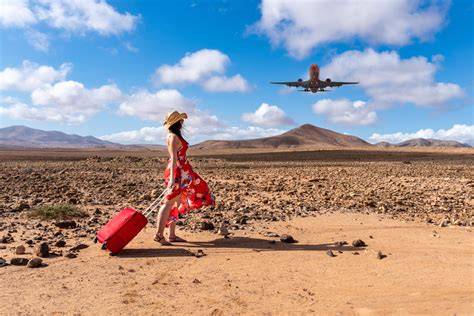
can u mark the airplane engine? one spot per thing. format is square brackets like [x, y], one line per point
[328, 80]
[300, 80]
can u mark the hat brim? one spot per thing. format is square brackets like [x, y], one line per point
[180, 117]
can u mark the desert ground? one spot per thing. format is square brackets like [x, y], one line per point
[412, 208]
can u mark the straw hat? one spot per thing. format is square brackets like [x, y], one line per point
[173, 117]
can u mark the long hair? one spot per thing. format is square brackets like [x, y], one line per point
[176, 129]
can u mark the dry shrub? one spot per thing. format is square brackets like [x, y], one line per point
[57, 212]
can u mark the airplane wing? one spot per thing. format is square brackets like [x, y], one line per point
[339, 83]
[290, 83]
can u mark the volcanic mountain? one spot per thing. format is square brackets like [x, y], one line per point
[422, 142]
[305, 136]
[26, 137]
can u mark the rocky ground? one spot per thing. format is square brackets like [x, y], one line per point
[313, 232]
[250, 190]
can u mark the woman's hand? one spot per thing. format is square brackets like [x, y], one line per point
[169, 187]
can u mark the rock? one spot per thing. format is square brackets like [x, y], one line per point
[206, 225]
[19, 261]
[199, 253]
[6, 239]
[196, 281]
[66, 224]
[340, 243]
[60, 243]
[380, 255]
[3, 247]
[287, 238]
[3, 262]
[444, 223]
[358, 243]
[34, 263]
[242, 220]
[223, 231]
[330, 253]
[70, 255]
[271, 234]
[79, 247]
[355, 253]
[42, 250]
[22, 206]
[20, 250]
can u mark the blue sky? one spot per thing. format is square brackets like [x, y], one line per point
[112, 69]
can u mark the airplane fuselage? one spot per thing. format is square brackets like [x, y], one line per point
[314, 84]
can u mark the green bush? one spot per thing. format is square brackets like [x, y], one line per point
[57, 211]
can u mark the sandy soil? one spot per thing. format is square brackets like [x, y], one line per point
[427, 271]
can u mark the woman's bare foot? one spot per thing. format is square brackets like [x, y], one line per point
[177, 239]
[162, 240]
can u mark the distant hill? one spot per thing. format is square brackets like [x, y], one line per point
[384, 144]
[422, 142]
[25, 137]
[305, 136]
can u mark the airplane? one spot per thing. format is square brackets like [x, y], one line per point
[314, 84]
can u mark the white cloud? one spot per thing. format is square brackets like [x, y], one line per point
[345, 112]
[193, 67]
[200, 124]
[143, 135]
[268, 115]
[205, 67]
[224, 84]
[53, 98]
[72, 96]
[250, 132]
[31, 76]
[389, 80]
[131, 48]
[158, 134]
[302, 25]
[16, 13]
[71, 16]
[38, 40]
[80, 16]
[21, 111]
[154, 106]
[459, 132]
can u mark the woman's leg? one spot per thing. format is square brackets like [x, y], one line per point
[163, 214]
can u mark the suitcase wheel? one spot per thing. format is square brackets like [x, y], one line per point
[95, 240]
[113, 254]
[104, 246]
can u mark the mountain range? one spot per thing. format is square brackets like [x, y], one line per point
[26, 137]
[304, 136]
[422, 142]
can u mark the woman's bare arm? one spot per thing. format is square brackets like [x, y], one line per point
[173, 143]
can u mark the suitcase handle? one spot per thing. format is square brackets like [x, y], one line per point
[150, 209]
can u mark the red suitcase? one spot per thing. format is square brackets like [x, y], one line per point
[124, 226]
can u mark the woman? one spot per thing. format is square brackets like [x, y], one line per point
[185, 188]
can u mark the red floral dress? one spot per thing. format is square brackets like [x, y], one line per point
[193, 189]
